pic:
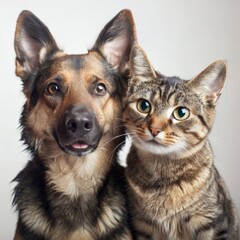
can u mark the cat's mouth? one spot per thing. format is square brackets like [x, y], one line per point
[156, 143]
[157, 146]
[153, 141]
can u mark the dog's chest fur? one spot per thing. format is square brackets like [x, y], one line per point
[77, 177]
[87, 215]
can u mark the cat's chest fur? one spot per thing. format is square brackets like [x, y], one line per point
[163, 189]
[168, 194]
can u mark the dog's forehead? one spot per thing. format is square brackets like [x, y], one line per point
[76, 70]
[90, 64]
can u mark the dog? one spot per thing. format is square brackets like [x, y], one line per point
[72, 188]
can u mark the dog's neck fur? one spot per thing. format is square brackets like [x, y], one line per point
[76, 176]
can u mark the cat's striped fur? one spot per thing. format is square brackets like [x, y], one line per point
[175, 191]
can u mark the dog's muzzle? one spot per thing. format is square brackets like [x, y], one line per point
[78, 132]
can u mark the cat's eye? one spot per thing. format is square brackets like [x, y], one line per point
[143, 106]
[100, 89]
[181, 113]
[52, 88]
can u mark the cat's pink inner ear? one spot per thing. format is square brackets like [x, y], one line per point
[115, 50]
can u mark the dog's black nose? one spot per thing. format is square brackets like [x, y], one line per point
[78, 131]
[79, 124]
[78, 121]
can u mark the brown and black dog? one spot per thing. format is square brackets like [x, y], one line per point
[72, 187]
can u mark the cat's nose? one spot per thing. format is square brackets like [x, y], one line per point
[157, 124]
[154, 131]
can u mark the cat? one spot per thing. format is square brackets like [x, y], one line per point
[175, 192]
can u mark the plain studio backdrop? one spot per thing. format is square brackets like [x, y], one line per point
[180, 37]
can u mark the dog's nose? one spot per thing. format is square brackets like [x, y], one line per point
[83, 125]
[78, 121]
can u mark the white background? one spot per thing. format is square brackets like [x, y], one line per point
[181, 37]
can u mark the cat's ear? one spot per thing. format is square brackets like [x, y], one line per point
[139, 63]
[209, 83]
[33, 43]
[116, 39]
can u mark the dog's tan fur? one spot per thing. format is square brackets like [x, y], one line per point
[64, 194]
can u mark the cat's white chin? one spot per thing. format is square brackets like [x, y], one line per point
[162, 149]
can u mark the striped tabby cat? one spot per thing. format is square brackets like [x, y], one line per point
[175, 191]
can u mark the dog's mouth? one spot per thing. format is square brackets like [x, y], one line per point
[78, 132]
[78, 148]
[79, 145]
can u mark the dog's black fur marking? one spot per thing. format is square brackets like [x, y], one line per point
[44, 211]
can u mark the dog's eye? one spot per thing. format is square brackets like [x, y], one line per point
[52, 88]
[101, 89]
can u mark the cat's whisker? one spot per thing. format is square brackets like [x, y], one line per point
[183, 151]
[113, 151]
[112, 139]
[215, 139]
[134, 138]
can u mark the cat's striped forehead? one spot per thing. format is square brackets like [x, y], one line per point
[143, 86]
[164, 89]
[173, 89]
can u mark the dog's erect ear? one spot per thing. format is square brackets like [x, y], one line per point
[209, 83]
[33, 44]
[116, 39]
[139, 63]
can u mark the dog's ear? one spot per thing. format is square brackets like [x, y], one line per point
[33, 44]
[209, 83]
[116, 39]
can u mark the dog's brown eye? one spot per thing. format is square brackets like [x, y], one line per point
[52, 88]
[101, 89]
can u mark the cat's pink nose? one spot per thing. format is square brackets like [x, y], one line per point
[154, 131]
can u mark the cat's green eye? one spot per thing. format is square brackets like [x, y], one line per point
[181, 113]
[143, 106]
